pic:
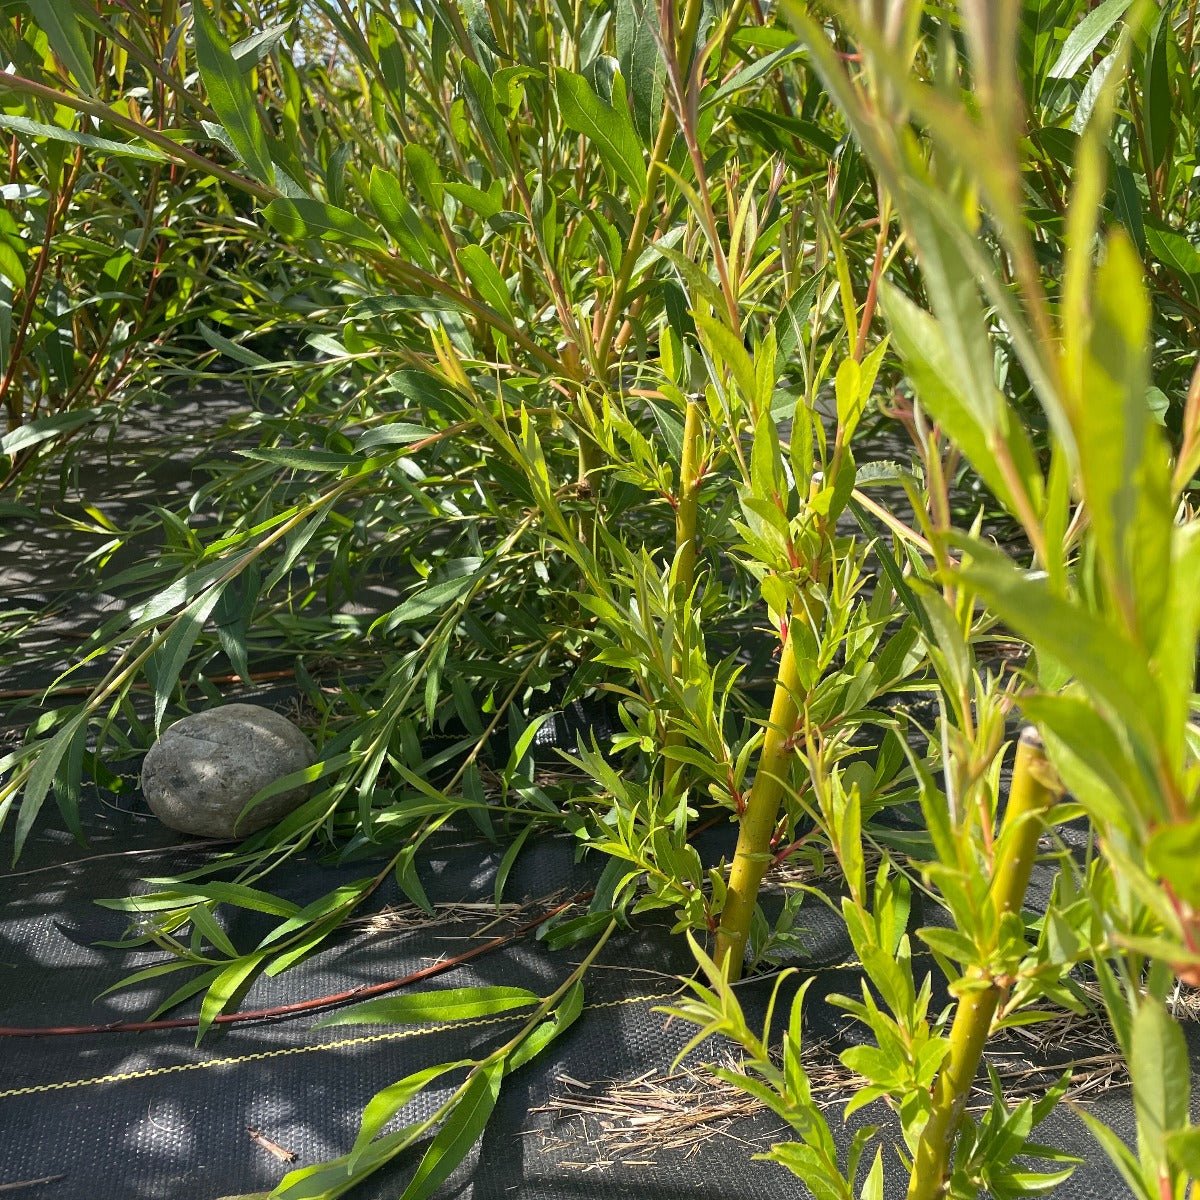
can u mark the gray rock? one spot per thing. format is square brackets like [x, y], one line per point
[200, 774]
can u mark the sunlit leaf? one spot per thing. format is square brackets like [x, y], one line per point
[457, 1004]
[230, 94]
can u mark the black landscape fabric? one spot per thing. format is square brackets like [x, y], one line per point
[605, 1113]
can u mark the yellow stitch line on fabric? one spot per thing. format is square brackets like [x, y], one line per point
[35, 1089]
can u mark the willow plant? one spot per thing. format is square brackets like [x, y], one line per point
[103, 242]
[570, 277]
[1106, 602]
[504, 261]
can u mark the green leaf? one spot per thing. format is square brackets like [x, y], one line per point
[728, 351]
[230, 95]
[846, 392]
[206, 925]
[486, 279]
[609, 129]
[432, 598]
[38, 129]
[409, 881]
[398, 216]
[1160, 1072]
[193, 986]
[11, 266]
[46, 428]
[642, 64]
[394, 433]
[521, 747]
[425, 175]
[65, 34]
[484, 203]
[1118, 1153]
[234, 615]
[872, 1188]
[302, 460]
[300, 218]
[1086, 36]
[506, 863]
[852, 387]
[328, 1180]
[169, 658]
[459, 1132]
[45, 768]
[457, 1004]
[155, 972]
[1172, 853]
[780, 134]
[1183, 1149]
[224, 989]
[1174, 656]
[1091, 760]
[930, 364]
[1156, 92]
[217, 341]
[251, 50]
[792, 324]
[953, 288]
[1116, 434]
[1109, 666]
[1177, 253]
[240, 895]
[564, 1016]
[385, 1104]
[481, 100]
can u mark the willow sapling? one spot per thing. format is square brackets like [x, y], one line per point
[1034, 792]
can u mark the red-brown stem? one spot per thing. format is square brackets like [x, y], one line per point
[872, 299]
[302, 1006]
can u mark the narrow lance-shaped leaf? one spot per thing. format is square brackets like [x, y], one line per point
[38, 129]
[224, 990]
[45, 769]
[641, 60]
[230, 95]
[64, 32]
[481, 101]
[1086, 36]
[1088, 648]
[563, 1017]
[608, 127]
[169, 658]
[485, 277]
[1161, 1078]
[385, 1104]
[456, 1004]
[398, 216]
[458, 1133]
[301, 218]
[930, 364]
[1124, 470]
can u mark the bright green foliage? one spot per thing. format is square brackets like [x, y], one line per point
[699, 368]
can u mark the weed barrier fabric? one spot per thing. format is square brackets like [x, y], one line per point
[152, 1115]
[149, 1115]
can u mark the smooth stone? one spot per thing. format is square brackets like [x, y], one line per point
[199, 776]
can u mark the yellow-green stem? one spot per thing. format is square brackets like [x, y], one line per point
[1032, 795]
[687, 508]
[688, 499]
[753, 853]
